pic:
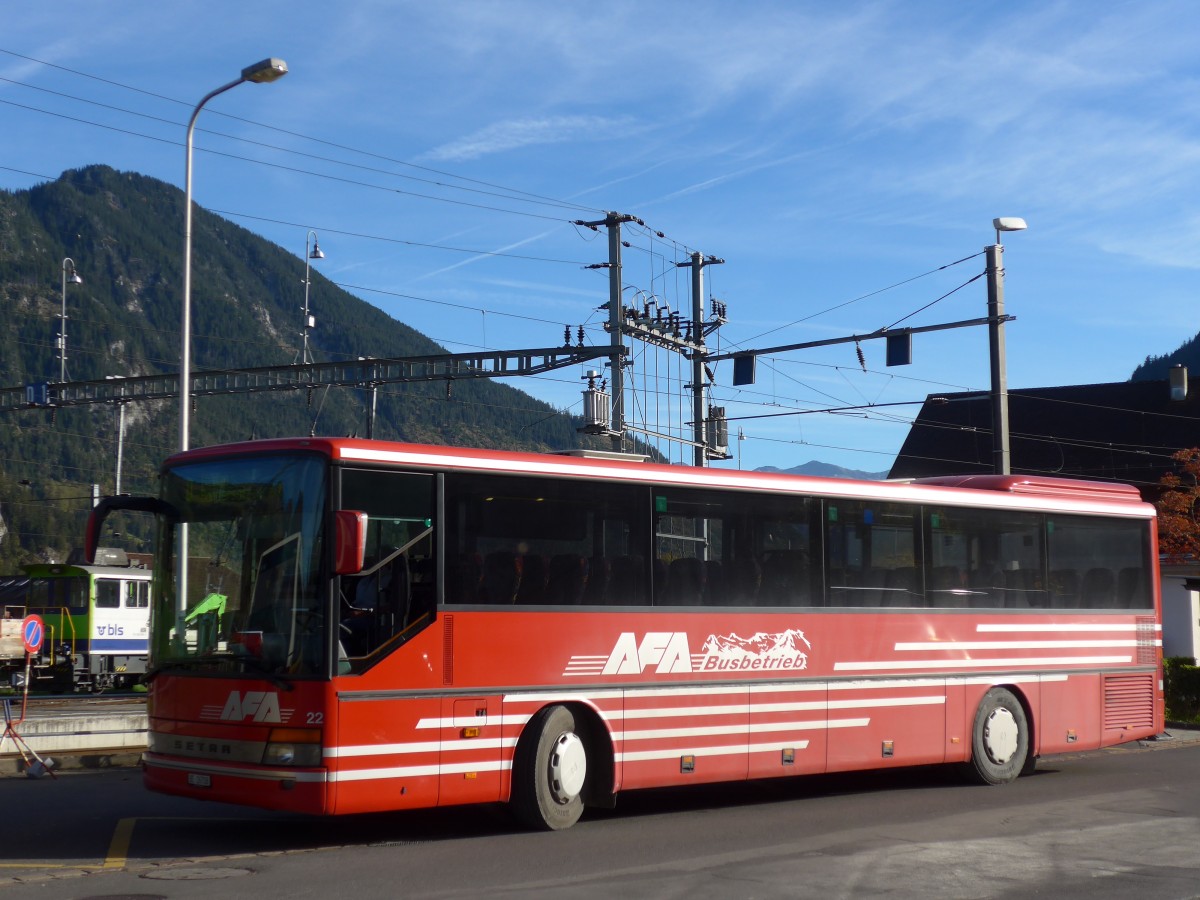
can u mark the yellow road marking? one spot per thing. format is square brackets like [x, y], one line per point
[118, 848]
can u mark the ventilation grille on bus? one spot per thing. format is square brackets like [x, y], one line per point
[447, 649]
[1128, 701]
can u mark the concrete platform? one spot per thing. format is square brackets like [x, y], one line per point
[76, 734]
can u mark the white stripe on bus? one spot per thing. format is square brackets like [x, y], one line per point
[874, 665]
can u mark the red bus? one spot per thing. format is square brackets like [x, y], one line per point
[376, 626]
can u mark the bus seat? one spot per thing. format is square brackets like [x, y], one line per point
[987, 588]
[742, 582]
[1064, 589]
[945, 586]
[500, 578]
[685, 582]
[714, 583]
[899, 587]
[532, 586]
[785, 578]
[625, 585]
[660, 580]
[1131, 588]
[1018, 584]
[595, 589]
[1099, 589]
[565, 579]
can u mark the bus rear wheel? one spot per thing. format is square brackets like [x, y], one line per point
[999, 738]
[549, 769]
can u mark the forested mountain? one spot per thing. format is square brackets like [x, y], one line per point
[1157, 368]
[124, 231]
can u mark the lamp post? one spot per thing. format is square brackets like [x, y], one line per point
[68, 265]
[309, 256]
[260, 73]
[1001, 461]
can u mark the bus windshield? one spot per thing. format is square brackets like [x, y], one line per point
[253, 532]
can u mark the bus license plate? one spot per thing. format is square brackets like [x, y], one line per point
[197, 780]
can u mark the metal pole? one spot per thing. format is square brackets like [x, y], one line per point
[615, 321]
[315, 253]
[62, 329]
[185, 327]
[699, 452]
[185, 345]
[1001, 462]
[371, 414]
[68, 264]
[120, 443]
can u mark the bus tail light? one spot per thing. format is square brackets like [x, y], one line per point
[293, 747]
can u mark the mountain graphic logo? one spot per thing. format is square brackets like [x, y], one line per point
[761, 651]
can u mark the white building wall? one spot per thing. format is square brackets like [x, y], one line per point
[1181, 617]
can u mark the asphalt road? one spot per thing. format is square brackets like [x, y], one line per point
[1108, 824]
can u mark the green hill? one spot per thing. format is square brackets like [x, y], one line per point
[124, 232]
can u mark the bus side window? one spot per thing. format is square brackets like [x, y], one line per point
[515, 541]
[1099, 563]
[873, 546]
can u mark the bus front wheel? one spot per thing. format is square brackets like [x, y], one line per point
[549, 769]
[999, 738]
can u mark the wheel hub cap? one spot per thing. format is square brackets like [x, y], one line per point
[1000, 736]
[568, 767]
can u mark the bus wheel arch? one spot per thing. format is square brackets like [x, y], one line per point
[558, 765]
[1001, 737]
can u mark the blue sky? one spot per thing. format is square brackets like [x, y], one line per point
[826, 152]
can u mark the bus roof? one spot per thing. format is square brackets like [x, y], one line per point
[1003, 491]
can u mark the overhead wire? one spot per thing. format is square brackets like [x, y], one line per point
[511, 193]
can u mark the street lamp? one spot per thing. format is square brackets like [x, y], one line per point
[260, 73]
[1001, 458]
[315, 253]
[68, 265]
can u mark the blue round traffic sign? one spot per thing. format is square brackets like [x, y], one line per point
[33, 632]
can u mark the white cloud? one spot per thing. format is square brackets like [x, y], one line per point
[519, 133]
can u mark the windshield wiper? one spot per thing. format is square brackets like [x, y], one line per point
[263, 669]
[245, 662]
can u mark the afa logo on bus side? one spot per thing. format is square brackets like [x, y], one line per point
[669, 653]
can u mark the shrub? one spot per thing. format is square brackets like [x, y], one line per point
[1182, 688]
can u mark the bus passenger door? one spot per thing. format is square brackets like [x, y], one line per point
[471, 750]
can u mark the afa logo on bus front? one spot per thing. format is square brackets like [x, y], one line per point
[669, 653]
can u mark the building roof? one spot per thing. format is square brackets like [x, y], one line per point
[1125, 431]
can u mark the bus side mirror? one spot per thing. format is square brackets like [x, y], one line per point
[350, 526]
[99, 512]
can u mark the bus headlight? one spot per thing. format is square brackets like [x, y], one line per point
[293, 747]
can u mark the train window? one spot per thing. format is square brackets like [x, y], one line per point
[137, 594]
[108, 594]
